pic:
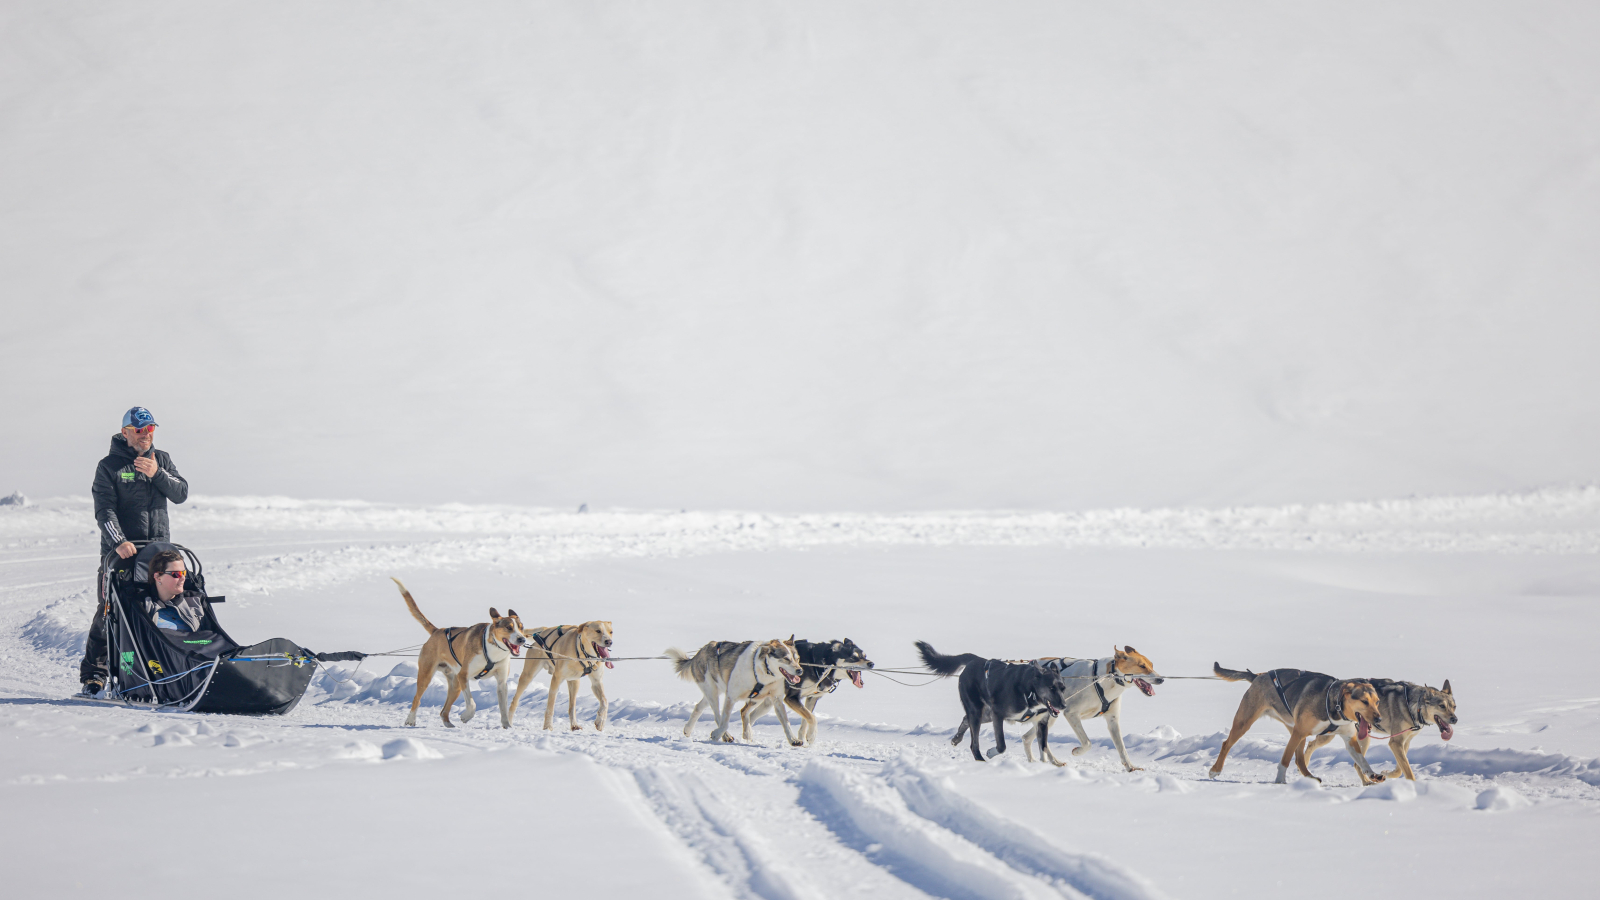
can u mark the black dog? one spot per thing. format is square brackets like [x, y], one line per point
[993, 688]
[821, 660]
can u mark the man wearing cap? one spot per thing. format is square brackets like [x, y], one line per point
[131, 488]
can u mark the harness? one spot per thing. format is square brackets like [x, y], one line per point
[756, 675]
[450, 642]
[1099, 691]
[1030, 697]
[549, 649]
[1327, 707]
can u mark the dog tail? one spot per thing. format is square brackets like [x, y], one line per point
[680, 663]
[1232, 675]
[412, 605]
[944, 665]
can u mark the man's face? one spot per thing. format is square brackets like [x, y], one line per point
[136, 440]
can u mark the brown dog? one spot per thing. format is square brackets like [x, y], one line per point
[1307, 703]
[466, 654]
[1405, 709]
[568, 652]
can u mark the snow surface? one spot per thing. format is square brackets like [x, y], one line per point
[1496, 593]
[805, 256]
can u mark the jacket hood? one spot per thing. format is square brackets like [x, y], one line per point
[120, 447]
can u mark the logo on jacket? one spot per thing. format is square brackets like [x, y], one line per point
[128, 476]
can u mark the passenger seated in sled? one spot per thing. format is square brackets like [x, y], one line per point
[169, 603]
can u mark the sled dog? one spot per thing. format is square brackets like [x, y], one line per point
[464, 655]
[745, 672]
[568, 652]
[1403, 710]
[1094, 688]
[996, 689]
[1308, 704]
[821, 661]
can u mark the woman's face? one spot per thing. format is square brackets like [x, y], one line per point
[169, 583]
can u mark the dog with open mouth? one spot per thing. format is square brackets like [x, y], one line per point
[1404, 710]
[998, 691]
[823, 661]
[464, 655]
[568, 653]
[1094, 689]
[1309, 704]
[744, 672]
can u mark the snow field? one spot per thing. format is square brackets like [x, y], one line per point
[882, 806]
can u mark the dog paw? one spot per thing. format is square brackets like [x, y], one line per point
[1212, 774]
[797, 743]
[728, 739]
[577, 728]
[1135, 768]
[1079, 750]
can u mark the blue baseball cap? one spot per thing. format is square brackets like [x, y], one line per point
[138, 417]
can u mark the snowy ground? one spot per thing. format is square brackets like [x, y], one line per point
[1495, 593]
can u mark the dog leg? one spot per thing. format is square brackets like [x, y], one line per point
[572, 705]
[599, 690]
[808, 722]
[1363, 768]
[502, 674]
[550, 698]
[470, 709]
[454, 690]
[1045, 752]
[782, 709]
[523, 680]
[961, 731]
[974, 721]
[424, 680]
[1296, 750]
[688, 727]
[811, 707]
[999, 732]
[724, 715]
[1401, 746]
[1246, 716]
[1114, 725]
[744, 722]
[1027, 742]
[1077, 729]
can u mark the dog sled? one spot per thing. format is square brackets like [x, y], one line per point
[199, 670]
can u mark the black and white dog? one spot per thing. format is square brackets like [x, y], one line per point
[822, 661]
[997, 690]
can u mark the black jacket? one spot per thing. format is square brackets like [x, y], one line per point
[127, 505]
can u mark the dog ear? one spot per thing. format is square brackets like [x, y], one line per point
[1446, 687]
[493, 614]
[511, 614]
[1129, 649]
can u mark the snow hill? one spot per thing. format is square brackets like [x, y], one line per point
[779, 256]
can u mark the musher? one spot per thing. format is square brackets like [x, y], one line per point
[131, 488]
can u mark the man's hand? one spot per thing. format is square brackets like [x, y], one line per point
[146, 466]
[126, 549]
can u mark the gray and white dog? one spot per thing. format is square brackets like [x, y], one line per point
[729, 672]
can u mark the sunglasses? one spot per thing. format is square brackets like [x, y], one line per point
[144, 430]
[178, 574]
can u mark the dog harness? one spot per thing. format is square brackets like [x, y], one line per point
[756, 675]
[450, 642]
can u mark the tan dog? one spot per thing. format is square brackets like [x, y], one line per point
[746, 672]
[568, 652]
[1307, 703]
[465, 654]
[1405, 709]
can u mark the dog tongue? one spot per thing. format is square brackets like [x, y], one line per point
[855, 677]
[603, 653]
[1445, 731]
[1145, 686]
[1362, 728]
